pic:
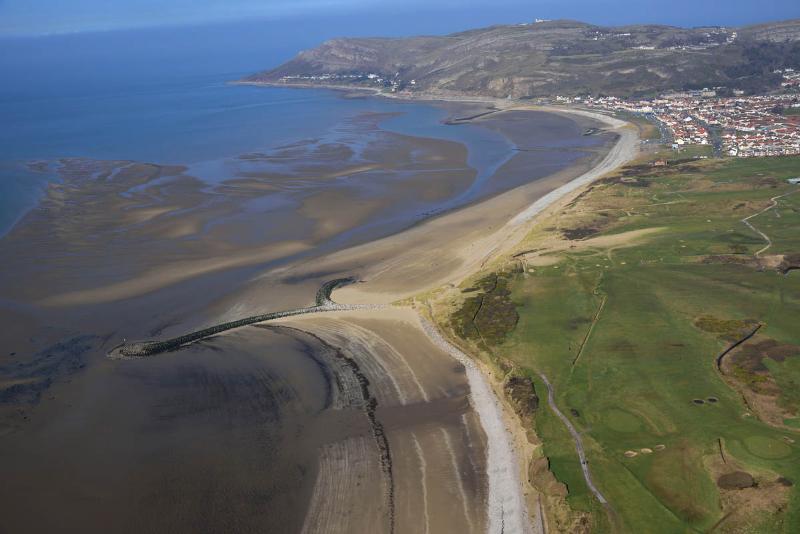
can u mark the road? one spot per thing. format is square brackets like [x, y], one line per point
[587, 476]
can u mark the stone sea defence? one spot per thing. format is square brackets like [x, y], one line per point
[141, 349]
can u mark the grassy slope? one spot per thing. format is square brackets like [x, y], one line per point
[645, 361]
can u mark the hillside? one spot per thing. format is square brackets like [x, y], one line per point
[553, 57]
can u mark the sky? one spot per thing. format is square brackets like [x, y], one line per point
[44, 17]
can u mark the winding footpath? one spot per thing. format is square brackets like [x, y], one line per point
[766, 238]
[587, 476]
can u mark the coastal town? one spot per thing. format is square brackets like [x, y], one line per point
[738, 125]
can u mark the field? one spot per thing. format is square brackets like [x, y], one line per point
[625, 299]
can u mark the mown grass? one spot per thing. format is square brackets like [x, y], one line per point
[667, 312]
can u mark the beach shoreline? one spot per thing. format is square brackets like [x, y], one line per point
[441, 249]
[508, 493]
[509, 497]
[505, 455]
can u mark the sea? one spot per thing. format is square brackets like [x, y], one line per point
[139, 106]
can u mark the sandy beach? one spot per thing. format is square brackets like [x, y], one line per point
[406, 425]
[420, 269]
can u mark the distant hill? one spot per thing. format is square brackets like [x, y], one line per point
[553, 57]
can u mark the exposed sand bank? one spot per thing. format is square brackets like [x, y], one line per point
[449, 248]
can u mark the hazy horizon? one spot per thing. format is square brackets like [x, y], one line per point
[27, 18]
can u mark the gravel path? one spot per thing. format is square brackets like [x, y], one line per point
[766, 238]
[578, 441]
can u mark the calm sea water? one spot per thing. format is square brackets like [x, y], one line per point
[191, 120]
[163, 96]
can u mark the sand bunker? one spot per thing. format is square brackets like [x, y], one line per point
[644, 450]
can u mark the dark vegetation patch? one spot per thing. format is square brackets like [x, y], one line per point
[488, 315]
[621, 347]
[521, 392]
[647, 171]
[581, 232]
[729, 259]
[736, 481]
[751, 355]
[602, 220]
[728, 329]
[790, 262]
[769, 182]
[578, 322]
[748, 367]
[586, 230]
[783, 481]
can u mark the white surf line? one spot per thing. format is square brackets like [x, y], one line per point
[423, 466]
[506, 508]
[587, 476]
[746, 221]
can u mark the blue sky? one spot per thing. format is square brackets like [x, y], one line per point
[37, 17]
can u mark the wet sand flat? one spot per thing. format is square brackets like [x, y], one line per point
[437, 445]
[220, 437]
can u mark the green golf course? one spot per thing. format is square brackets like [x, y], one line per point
[625, 299]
